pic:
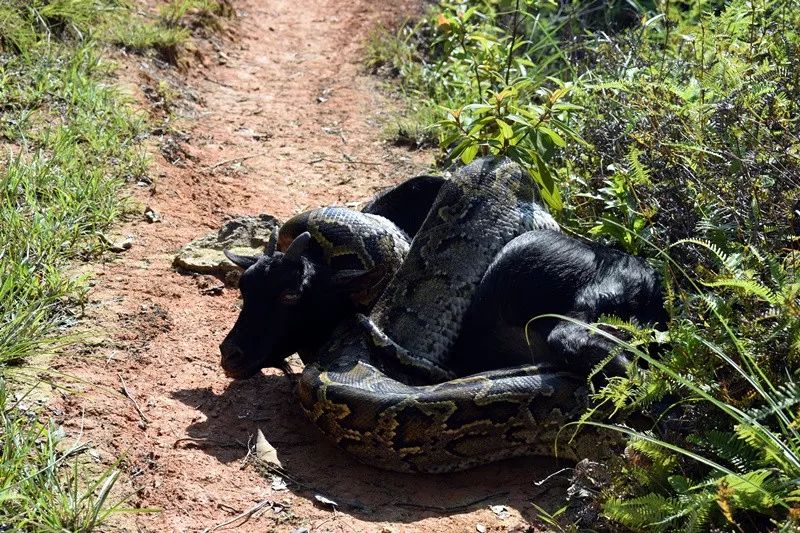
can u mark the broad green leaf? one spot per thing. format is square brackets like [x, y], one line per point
[505, 130]
[555, 137]
[548, 190]
[469, 153]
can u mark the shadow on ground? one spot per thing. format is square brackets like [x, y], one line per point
[267, 402]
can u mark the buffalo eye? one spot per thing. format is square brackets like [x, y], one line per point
[289, 297]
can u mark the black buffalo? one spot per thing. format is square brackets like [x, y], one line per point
[293, 303]
[407, 204]
[546, 272]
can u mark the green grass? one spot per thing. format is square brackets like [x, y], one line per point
[668, 130]
[43, 481]
[70, 142]
[177, 20]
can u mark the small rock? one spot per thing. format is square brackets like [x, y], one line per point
[501, 511]
[121, 245]
[209, 285]
[255, 135]
[480, 528]
[278, 483]
[324, 95]
[151, 215]
[246, 235]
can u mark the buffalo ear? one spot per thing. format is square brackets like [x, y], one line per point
[363, 286]
[242, 261]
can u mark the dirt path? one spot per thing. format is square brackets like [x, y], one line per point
[282, 108]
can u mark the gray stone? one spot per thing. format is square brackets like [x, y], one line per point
[120, 244]
[245, 235]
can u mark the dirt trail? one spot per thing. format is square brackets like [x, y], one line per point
[282, 109]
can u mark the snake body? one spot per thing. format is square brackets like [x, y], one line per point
[350, 240]
[382, 387]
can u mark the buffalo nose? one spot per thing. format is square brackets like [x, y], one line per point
[229, 350]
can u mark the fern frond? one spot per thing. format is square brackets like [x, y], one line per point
[699, 508]
[729, 447]
[655, 452]
[758, 490]
[784, 395]
[729, 261]
[771, 451]
[640, 174]
[748, 285]
[642, 512]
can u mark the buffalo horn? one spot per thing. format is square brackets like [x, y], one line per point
[242, 261]
[272, 242]
[298, 246]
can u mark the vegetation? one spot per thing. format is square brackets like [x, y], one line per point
[670, 130]
[71, 141]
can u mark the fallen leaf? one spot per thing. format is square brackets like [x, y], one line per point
[501, 511]
[266, 452]
[322, 499]
[278, 483]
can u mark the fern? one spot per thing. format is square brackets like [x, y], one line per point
[771, 451]
[640, 174]
[675, 140]
[643, 512]
[747, 285]
[731, 262]
[731, 449]
[785, 396]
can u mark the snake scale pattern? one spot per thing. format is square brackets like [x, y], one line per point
[381, 387]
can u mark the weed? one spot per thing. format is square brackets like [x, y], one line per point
[42, 485]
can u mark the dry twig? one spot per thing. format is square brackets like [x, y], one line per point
[246, 515]
[234, 160]
[446, 509]
[345, 161]
[205, 440]
[132, 399]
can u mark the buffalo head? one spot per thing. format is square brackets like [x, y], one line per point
[290, 304]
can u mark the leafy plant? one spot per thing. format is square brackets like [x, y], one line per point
[43, 482]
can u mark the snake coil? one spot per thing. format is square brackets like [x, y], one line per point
[382, 389]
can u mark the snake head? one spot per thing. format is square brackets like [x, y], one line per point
[290, 304]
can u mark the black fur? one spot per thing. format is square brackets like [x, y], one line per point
[271, 328]
[294, 306]
[407, 204]
[289, 306]
[546, 272]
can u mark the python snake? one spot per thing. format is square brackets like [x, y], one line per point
[382, 389]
